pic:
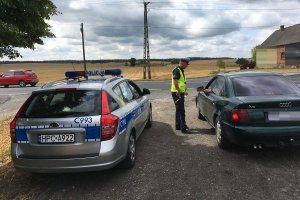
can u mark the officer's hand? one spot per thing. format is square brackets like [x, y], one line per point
[178, 94]
[186, 94]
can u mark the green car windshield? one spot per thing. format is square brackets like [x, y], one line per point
[263, 86]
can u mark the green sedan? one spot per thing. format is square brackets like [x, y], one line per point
[251, 109]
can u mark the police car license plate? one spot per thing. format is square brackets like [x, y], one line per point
[58, 138]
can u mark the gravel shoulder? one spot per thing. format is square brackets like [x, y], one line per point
[171, 165]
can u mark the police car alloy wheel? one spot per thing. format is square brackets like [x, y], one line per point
[129, 160]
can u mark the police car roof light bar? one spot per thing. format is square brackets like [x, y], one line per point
[112, 72]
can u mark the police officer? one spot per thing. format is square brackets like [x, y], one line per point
[179, 91]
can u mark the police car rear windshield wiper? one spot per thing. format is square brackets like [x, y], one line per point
[64, 114]
[59, 114]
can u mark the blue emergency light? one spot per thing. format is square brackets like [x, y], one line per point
[111, 72]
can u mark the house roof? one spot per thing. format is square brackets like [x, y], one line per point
[288, 35]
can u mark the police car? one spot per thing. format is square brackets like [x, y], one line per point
[80, 124]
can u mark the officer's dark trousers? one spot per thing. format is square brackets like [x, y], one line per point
[180, 110]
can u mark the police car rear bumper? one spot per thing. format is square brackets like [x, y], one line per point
[100, 162]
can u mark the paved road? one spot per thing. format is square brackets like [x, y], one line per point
[152, 85]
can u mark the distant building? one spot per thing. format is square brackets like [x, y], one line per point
[282, 48]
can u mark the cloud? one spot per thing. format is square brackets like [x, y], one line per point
[114, 29]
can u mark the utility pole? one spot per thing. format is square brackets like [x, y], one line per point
[83, 49]
[146, 43]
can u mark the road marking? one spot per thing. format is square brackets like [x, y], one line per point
[14, 94]
[155, 89]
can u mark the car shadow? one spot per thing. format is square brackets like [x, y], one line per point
[202, 131]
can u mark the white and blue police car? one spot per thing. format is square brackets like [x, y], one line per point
[80, 124]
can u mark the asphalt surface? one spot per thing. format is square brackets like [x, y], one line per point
[171, 165]
[162, 85]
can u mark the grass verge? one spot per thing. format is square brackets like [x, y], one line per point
[13, 184]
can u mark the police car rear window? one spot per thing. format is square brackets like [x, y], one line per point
[63, 104]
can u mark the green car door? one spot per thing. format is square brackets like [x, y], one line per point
[215, 98]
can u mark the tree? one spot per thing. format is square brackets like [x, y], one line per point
[242, 61]
[221, 64]
[174, 61]
[132, 62]
[253, 51]
[22, 25]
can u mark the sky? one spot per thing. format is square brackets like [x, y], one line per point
[113, 29]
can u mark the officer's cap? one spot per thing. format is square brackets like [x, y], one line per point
[186, 59]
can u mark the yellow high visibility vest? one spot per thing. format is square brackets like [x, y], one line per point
[181, 83]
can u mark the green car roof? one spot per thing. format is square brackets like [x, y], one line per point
[241, 74]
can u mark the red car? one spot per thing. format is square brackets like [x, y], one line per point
[19, 77]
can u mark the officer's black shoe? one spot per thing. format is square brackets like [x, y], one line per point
[185, 131]
[186, 128]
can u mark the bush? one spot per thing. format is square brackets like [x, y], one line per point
[174, 61]
[242, 61]
[132, 62]
[221, 64]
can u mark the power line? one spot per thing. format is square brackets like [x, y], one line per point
[236, 9]
[166, 27]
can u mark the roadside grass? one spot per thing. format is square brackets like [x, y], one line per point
[160, 71]
[13, 184]
[4, 142]
[19, 185]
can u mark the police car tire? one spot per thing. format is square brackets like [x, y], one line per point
[129, 162]
[149, 122]
[222, 141]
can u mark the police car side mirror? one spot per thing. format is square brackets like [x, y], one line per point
[200, 89]
[146, 91]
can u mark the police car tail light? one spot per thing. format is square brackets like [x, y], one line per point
[13, 136]
[240, 115]
[104, 103]
[109, 125]
[13, 131]
[109, 122]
